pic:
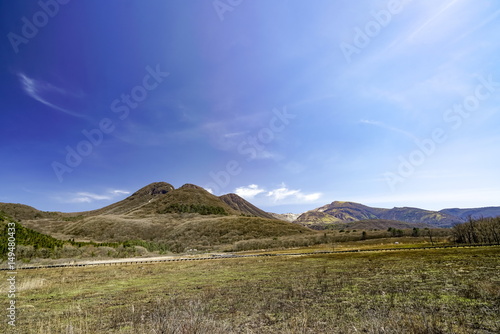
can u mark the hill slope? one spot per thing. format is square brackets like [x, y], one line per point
[243, 206]
[21, 211]
[24, 236]
[189, 229]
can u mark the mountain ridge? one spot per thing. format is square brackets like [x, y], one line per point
[475, 213]
[162, 197]
[339, 212]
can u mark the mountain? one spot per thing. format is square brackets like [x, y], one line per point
[138, 199]
[339, 212]
[187, 217]
[344, 212]
[492, 211]
[187, 199]
[158, 197]
[239, 204]
[190, 216]
[415, 215]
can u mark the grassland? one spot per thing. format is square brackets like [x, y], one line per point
[426, 291]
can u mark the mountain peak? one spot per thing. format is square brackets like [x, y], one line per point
[155, 188]
[191, 186]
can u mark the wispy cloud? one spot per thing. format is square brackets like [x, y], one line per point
[37, 89]
[433, 18]
[388, 127]
[483, 23]
[88, 197]
[119, 192]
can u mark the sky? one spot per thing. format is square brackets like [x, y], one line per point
[291, 104]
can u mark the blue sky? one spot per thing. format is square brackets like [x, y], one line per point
[291, 104]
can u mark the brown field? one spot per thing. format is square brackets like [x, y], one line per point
[424, 291]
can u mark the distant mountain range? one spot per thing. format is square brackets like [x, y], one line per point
[346, 212]
[492, 211]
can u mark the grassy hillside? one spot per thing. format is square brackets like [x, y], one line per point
[243, 206]
[179, 230]
[379, 224]
[21, 211]
[31, 244]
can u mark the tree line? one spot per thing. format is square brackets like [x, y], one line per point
[478, 231]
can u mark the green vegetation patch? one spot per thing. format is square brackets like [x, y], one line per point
[194, 208]
[25, 236]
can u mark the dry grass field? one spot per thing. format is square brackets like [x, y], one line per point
[424, 291]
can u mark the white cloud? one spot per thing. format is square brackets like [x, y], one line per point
[88, 197]
[37, 89]
[249, 192]
[281, 195]
[92, 196]
[119, 192]
[79, 200]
